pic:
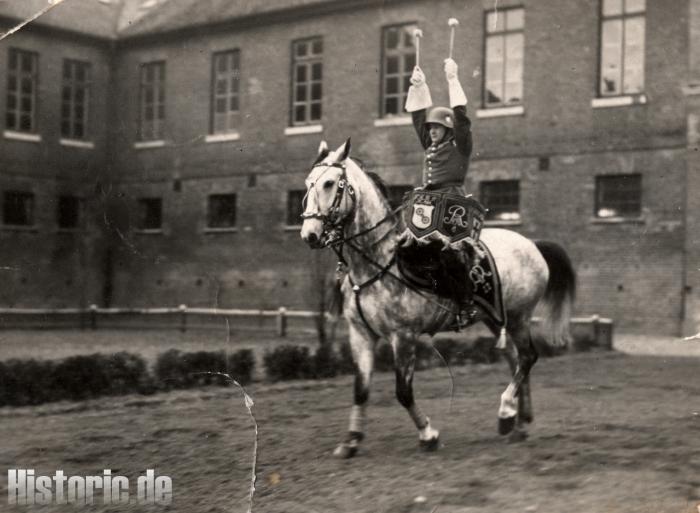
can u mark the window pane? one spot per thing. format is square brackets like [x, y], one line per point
[495, 21]
[612, 7]
[220, 105]
[300, 93]
[409, 62]
[295, 207]
[502, 199]
[300, 113]
[392, 38]
[11, 120]
[391, 106]
[316, 111]
[634, 6]
[149, 214]
[408, 36]
[222, 211]
[515, 19]
[234, 104]
[611, 59]
[392, 65]
[27, 85]
[12, 84]
[392, 85]
[68, 212]
[25, 123]
[317, 47]
[220, 89]
[316, 91]
[301, 49]
[634, 56]
[18, 208]
[14, 57]
[11, 102]
[27, 62]
[301, 73]
[316, 71]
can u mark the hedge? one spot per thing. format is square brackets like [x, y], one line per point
[32, 382]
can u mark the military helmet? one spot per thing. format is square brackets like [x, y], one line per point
[440, 115]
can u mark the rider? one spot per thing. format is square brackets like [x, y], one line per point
[445, 134]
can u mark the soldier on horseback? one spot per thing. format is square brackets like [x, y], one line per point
[445, 134]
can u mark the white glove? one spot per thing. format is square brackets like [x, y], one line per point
[418, 77]
[450, 69]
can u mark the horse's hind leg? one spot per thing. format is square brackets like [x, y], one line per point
[404, 365]
[519, 387]
[362, 345]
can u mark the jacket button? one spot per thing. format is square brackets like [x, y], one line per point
[429, 182]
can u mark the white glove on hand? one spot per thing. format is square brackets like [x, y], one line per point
[450, 69]
[418, 77]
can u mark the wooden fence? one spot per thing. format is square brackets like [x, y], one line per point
[279, 321]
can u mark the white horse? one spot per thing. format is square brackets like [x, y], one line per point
[343, 203]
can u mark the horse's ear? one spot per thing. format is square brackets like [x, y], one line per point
[322, 152]
[345, 151]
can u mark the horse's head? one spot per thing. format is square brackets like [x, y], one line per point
[330, 200]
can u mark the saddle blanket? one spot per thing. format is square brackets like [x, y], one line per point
[488, 294]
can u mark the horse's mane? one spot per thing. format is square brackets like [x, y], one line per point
[378, 181]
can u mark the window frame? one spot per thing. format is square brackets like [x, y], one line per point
[72, 84]
[208, 220]
[382, 66]
[31, 221]
[598, 204]
[502, 34]
[149, 229]
[623, 17]
[232, 75]
[309, 61]
[157, 130]
[18, 74]
[288, 212]
[489, 213]
[79, 212]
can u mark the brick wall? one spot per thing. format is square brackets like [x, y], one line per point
[631, 271]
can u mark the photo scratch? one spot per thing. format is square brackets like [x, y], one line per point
[51, 5]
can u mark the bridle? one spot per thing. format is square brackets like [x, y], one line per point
[333, 222]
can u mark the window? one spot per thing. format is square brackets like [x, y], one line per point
[504, 50]
[221, 211]
[295, 207]
[502, 199]
[22, 77]
[618, 196]
[307, 76]
[75, 98]
[18, 208]
[398, 60]
[152, 101]
[622, 47]
[68, 212]
[396, 194]
[225, 91]
[149, 214]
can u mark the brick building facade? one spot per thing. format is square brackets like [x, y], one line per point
[202, 121]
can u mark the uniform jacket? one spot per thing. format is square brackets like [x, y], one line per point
[445, 164]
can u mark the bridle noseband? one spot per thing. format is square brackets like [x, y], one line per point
[333, 222]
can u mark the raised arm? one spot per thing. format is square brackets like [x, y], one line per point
[417, 101]
[458, 102]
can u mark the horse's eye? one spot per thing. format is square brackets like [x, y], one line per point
[328, 184]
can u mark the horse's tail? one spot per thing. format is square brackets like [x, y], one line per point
[560, 293]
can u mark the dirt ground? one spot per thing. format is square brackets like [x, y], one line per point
[612, 433]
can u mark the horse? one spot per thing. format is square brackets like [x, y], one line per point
[345, 206]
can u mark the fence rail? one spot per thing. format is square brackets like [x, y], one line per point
[90, 317]
[183, 317]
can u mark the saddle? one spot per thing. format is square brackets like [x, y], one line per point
[439, 251]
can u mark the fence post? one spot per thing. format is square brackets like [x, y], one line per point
[282, 322]
[183, 318]
[93, 316]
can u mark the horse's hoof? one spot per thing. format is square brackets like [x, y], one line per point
[519, 435]
[526, 417]
[505, 425]
[345, 451]
[429, 445]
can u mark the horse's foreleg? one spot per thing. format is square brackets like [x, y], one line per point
[404, 365]
[362, 347]
[516, 398]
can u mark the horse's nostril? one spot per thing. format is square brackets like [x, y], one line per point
[312, 238]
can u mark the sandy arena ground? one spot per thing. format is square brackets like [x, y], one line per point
[613, 432]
